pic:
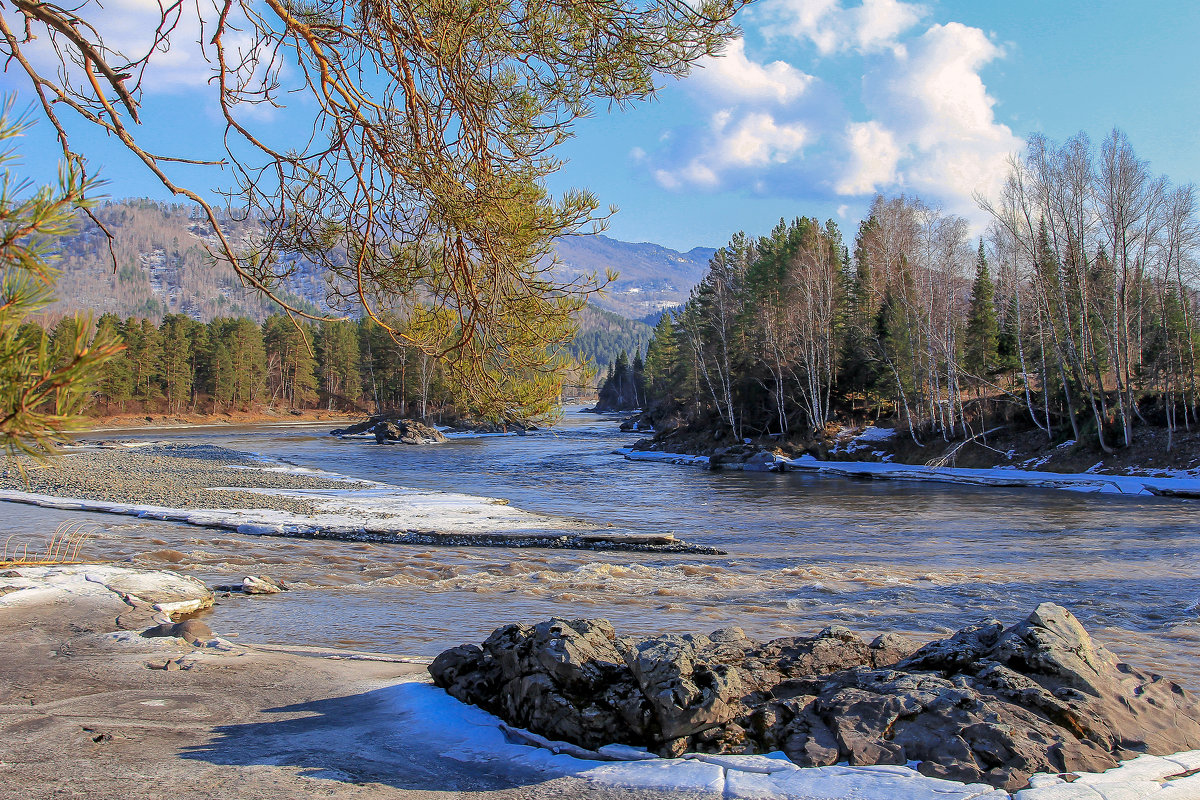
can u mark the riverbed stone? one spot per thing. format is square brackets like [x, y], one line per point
[261, 584]
[987, 704]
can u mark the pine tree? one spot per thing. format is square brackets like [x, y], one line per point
[662, 363]
[291, 372]
[337, 351]
[175, 365]
[116, 384]
[981, 355]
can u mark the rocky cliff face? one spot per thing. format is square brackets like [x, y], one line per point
[987, 704]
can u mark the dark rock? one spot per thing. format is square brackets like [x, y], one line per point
[987, 704]
[407, 431]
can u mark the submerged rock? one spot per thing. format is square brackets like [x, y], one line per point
[987, 704]
[261, 584]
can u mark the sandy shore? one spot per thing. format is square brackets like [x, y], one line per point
[85, 712]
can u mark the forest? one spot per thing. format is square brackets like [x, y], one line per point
[1075, 314]
[185, 366]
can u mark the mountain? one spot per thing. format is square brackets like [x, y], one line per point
[652, 277]
[163, 267]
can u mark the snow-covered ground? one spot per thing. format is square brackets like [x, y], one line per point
[1162, 482]
[469, 734]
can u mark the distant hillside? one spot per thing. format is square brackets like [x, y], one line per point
[603, 335]
[163, 268]
[652, 277]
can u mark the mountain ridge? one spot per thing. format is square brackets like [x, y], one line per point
[163, 268]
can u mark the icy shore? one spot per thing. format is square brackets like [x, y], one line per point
[1173, 486]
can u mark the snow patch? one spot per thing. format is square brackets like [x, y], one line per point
[1178, 483]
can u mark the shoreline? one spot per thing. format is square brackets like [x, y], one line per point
[251, 720]
[216, 487]
[1172, 486]
[152, 421]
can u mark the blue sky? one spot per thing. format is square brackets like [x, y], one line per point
[820, 105]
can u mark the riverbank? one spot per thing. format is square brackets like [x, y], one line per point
[217, 487]
[263, 416]
[93, 708]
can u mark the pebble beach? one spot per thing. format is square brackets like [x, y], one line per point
[165, 474]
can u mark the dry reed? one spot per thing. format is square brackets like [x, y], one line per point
[63, 547]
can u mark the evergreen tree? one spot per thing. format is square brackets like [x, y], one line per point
[290, 366]
[175, 365]
[662, 363]
[144, 351]
[116, 383]
[337, 352]
[981, 354]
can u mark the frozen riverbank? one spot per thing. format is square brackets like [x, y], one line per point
[221, 488]
[1164, 486]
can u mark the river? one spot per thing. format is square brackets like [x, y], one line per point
[803, 552]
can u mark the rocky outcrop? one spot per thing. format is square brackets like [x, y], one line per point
[407, 431]
[987, 704]
[389, 428]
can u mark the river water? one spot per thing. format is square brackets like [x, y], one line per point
[803, 552]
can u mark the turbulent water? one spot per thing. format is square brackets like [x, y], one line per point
[804, 552]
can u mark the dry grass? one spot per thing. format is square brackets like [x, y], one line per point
[63, 547]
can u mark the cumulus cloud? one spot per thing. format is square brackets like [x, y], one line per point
[127, 28]
[873, 157]
[731, 76]
[737, 143]
[832, 27]
[884, 104]
[937, 107]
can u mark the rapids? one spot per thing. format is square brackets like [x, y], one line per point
[803, 552]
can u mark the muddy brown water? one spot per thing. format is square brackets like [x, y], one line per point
[803, 552]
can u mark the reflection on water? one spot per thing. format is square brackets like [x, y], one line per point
[803, 552]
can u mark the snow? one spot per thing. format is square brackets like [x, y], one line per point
[470, 735]
[371, 508]
[1165, 482]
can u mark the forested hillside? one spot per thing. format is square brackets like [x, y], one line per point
[604, 335]
[163, 268]
[1076, 317]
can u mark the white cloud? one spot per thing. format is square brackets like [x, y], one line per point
[731, 77]
[924, 123]
[939, 112]
[832, 28]
[737, 143]
[874, 155]
[127, 28]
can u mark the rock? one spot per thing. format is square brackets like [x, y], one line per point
[192, 631]
[261, 584]
[407, 431]
[988, 704]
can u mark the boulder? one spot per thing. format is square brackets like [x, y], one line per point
[987, 704]
[407, 431]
